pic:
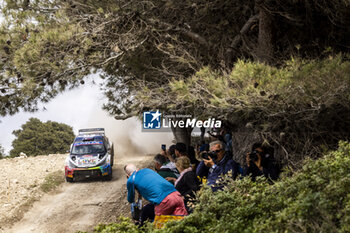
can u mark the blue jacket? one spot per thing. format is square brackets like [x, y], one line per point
[222, 167]
[150, 185]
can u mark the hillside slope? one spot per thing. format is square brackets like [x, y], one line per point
[71, 207]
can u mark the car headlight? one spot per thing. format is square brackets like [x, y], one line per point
[72, 165]
[69, 162]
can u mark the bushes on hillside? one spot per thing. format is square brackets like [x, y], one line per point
[314, 199]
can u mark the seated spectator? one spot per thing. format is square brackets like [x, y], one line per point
[181, 150]
[163, 168]
[187, 184]
[218, 163]
[261, 162]
[155, 189]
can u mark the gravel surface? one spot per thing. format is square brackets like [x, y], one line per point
[70, 207]
[20, 182]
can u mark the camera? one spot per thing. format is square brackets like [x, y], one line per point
[205, 155]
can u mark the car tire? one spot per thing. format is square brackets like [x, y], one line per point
[69, 180]
[109, 176]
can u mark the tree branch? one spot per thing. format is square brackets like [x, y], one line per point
[244, 30]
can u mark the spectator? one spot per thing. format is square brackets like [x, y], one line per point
[261, 162]
[202, 133]
[171, 153]
[155, 189]
[217, 134]
[181, 150]
[170, 159]
[219, 163]
[163, 169]
[187, 184]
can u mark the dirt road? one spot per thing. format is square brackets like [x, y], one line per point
[80, 206]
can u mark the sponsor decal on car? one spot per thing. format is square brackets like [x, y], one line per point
[87, 143]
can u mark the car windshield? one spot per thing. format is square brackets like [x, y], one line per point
[88, 148]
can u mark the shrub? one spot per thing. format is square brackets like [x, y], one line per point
[314, 199]
[306, 101]
[52, 180]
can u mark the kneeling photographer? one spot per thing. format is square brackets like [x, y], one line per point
[216, 163]
[260, 161]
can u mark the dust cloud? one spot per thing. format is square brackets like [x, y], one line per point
[126, 135]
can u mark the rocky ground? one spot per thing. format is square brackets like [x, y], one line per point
[20, 182]
[69, 208]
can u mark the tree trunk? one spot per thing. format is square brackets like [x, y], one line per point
[265, 50]
[182, 135]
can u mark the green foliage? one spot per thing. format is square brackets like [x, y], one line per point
[314, 199]
[307, 100]
[123, 225]
[2, 152]
[52, 180]
[48, 46]
[38, 138]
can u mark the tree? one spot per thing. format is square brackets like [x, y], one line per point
[2, 152]
[38, 138]
[49, 46]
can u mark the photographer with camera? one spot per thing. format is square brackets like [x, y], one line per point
[260, 161]
[215, 163]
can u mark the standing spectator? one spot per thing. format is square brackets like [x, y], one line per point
[171, 153]
[181, 150]
[202, 133]
[219, 163]
[155, 189]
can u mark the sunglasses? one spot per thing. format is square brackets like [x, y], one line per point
[215, 151]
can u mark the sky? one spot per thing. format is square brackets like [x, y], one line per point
[82, 108]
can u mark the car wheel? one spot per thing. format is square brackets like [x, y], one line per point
[109, 176]
[70, 180]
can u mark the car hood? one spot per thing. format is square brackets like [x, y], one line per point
[90, 160]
